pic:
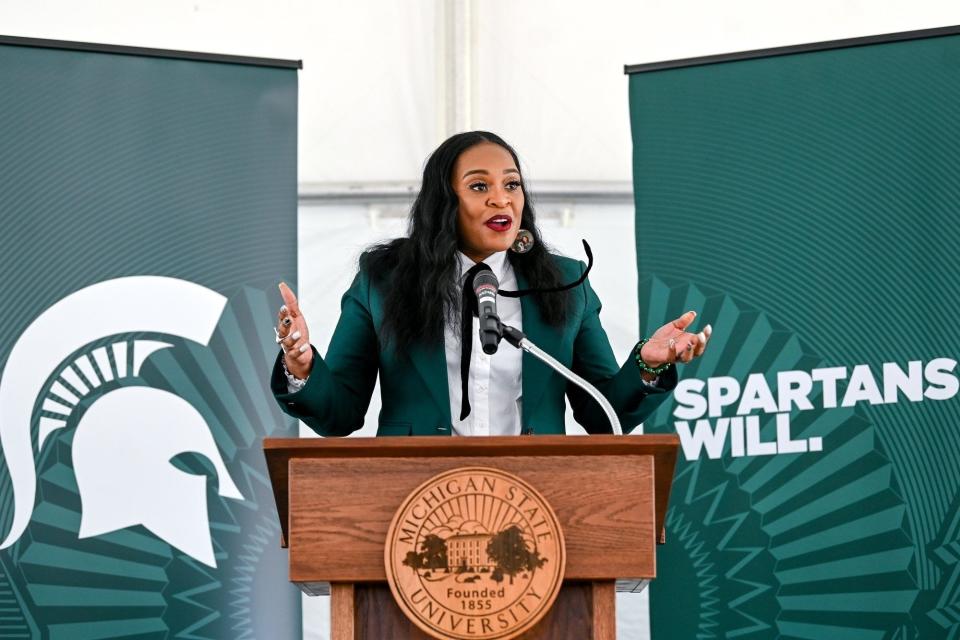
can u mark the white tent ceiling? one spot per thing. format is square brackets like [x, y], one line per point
[384, 81]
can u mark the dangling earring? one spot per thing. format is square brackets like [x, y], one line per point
[523, 243]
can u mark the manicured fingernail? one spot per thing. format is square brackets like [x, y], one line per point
[295, 335]
[304, 347]
[702, 336]
[707, 330]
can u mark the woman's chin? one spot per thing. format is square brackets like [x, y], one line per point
[503, 241]
[490, 248]
[500, 246]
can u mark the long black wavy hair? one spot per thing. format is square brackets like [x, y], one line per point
[426, 262]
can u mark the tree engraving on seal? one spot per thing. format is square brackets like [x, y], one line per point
[475, 553]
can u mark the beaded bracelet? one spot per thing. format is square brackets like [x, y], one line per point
[643, 365]
[295, 382]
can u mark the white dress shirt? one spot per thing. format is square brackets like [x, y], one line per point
[494, 387]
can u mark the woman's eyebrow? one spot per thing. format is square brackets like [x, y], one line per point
[484, 171]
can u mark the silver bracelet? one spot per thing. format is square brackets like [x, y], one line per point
[294, 381]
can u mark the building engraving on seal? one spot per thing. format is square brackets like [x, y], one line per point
[469, 550]
[475, 553]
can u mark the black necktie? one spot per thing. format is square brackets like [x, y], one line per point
[468, 311]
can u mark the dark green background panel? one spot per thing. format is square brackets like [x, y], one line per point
[807, 206]
[119, 165]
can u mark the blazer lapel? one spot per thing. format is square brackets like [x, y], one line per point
[431, 363]
[535, 373]
[428, 360]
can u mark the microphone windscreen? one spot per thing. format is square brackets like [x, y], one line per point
[485, 278]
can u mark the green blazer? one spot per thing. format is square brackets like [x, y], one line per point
[413, 385]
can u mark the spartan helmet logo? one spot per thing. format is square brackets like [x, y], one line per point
[125, 441]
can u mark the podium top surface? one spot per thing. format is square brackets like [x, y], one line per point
[279, 451]
[431, 446]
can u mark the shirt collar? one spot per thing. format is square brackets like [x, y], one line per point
[497, 262]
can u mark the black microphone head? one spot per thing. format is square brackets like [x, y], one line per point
[485, 277]
[485, 287]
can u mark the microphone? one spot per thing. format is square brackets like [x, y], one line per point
[485, 285]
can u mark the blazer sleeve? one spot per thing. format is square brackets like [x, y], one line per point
[335, 399]
[632, 398]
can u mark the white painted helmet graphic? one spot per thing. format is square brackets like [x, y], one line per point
[125, 440]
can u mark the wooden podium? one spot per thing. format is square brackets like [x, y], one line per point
[336, 498]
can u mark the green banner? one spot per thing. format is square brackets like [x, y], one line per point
[806, 205]
[148, 208]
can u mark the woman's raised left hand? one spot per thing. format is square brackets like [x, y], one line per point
[673, 343]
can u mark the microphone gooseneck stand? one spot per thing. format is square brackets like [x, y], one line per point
[519, 340]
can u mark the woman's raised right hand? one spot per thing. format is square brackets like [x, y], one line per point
[293, 335]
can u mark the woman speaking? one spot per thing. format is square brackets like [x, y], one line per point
[403, 317]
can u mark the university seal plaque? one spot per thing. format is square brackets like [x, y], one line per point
[475, 553]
